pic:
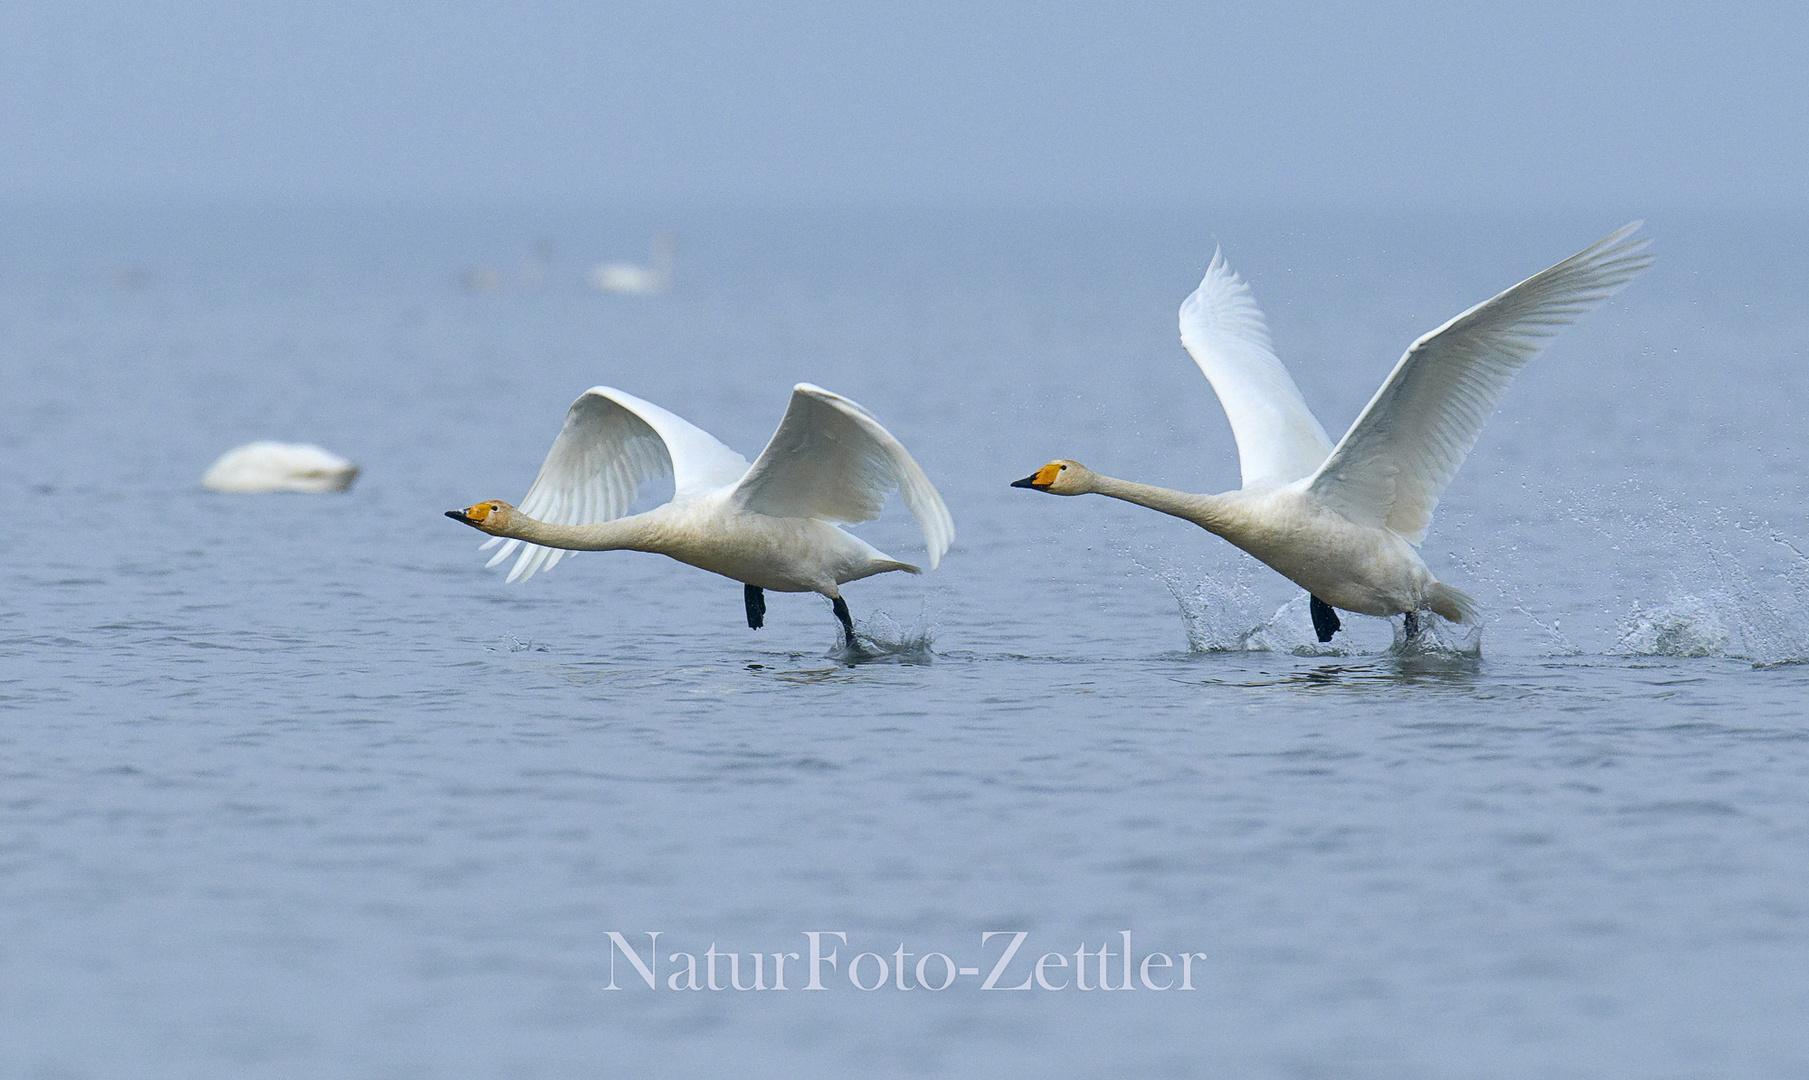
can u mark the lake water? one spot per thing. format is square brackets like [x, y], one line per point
[290, 786]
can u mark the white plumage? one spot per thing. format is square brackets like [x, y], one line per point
[274, 466]
[1394, 463]
[1278, 438]
[771, 525]
[1343, 521]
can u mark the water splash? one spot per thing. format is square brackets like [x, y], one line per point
[511, 643]
[879, 638]
[1686, 626]
[1715, 605]
[1224, 612]
[1736, 620]
[1437, 639]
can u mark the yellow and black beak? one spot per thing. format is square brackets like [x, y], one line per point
[1041, 479]
[473, 516]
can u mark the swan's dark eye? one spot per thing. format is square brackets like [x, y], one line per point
[1064, 468]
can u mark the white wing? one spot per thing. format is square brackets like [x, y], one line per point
[1394, 463]
[1278, 440]
[611, 444]
[831, 460]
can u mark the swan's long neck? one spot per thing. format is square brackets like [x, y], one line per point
[624, 534]
[1206, 511]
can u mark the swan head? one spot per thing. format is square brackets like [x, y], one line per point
[492, 517]
[1061, 477]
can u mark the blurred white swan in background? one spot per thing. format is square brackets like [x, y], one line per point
[626, 278]
[767, 525]
[1343, 522]
[275, 466]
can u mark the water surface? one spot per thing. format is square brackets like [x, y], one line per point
[290, 786]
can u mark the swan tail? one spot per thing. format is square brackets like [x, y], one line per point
[870, 567]
[1452, 604]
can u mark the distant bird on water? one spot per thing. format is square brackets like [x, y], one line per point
[1343, 522]
[631, 280]
[275, 466]
[769, 525]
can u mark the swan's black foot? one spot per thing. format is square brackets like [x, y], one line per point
[1325, 620]
[756, 606]
[841, 612]
[1412, 621]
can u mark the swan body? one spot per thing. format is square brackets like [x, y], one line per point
[1344, 522]
[631, 280]
[274, 466]
[711, 533]
[769, 524]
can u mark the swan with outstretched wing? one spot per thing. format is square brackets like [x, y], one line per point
[1344, 521]
[770, 525]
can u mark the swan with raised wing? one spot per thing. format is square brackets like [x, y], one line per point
[769, 525]
[1343, 522]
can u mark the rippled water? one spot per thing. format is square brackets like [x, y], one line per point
[291, 786]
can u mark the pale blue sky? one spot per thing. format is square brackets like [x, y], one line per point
[1383, 103]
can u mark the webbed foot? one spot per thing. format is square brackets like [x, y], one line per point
[1325, 619]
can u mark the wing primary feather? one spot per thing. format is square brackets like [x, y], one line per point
[1278, 438]
[508, 547]
[610, 444]
[831, 459]
[1392, 466]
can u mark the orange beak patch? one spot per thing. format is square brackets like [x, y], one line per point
[1040, 479]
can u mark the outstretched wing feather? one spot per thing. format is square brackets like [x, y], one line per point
[1391, 468]
[830, 459]
[611, 444]
[1278, 438]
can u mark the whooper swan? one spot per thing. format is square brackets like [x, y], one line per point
[275, 466]
[1343, 522]
[767, 525]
